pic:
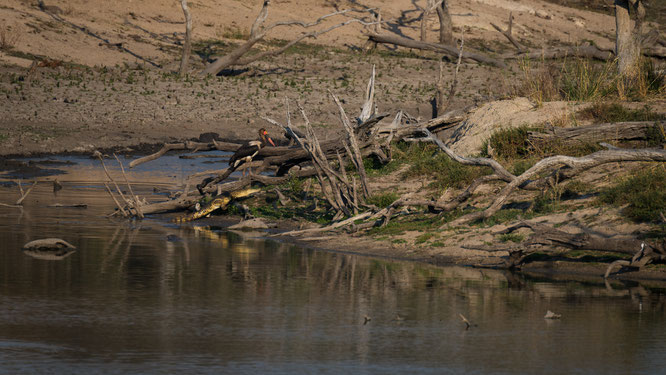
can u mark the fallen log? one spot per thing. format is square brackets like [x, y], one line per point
[546, 238]
[587, 51]
[441, 48]
[617, 131]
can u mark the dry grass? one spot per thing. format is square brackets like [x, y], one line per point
[579, 79]
[9, 36]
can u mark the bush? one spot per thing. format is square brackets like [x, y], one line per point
[644, 193]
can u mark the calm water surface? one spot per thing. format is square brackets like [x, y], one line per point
[152, 297]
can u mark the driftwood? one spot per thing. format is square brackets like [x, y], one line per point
[442, 48]
[617, 131]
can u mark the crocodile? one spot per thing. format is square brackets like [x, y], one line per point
[219, 203]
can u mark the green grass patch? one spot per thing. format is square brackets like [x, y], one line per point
[374, 168]
[644, 193]
[513, 237]
[503, 216]
[383, 200]
[424, 237]
[397, 227]
[514, 145]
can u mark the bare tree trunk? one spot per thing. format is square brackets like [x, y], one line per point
[445, 24]
[424, 21]
[627, 45]
[187, 47]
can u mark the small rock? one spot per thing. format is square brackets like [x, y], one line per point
[543, 14]
[49, 249]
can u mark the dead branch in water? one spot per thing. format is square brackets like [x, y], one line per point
[135, 199]
[188, 145]
[24, 195]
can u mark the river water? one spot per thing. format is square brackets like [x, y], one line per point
[153, 297]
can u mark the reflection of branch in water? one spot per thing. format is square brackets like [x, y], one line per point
[130, 242]
[47, 10]
[107, 255]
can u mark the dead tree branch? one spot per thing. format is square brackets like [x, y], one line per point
[189, 145]
[258, 32]
[507, 34]
[135, 199]
[577, 164]
[24, 195]
[442, 48]
[355, 154]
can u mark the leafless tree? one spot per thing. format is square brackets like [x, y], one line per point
[187, 46]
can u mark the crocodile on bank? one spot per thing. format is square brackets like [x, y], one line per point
[219, 203]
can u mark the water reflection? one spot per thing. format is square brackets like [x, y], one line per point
[152, 297]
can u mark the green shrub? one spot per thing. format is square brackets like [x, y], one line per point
[426, 160]
[510, 143]
[514, 144]
[644, 193]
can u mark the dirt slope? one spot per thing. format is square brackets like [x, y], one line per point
[148, 28]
